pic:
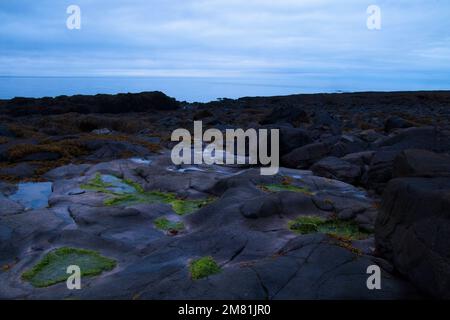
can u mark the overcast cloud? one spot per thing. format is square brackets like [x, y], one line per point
[325, 40]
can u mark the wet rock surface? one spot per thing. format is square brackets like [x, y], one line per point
[244, 228]
[362, 183]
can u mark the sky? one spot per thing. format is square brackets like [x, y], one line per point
[324, 43]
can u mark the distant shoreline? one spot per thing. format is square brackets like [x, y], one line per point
[201, 89]
[159, 101]
[317, 94]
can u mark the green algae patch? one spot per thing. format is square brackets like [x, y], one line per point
[186, 206]
[134, 198]
[179, 206]
[97, 184]
[128, 192]
[286, 187]
[333, 227]
[134, 185]
[52, 268]
[203, 267]
[168, 225]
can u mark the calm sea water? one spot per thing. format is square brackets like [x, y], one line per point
[184, 89]
[198, 89]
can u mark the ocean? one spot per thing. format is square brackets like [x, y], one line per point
[196, 89]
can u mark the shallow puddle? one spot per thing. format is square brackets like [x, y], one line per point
[142, 161]
[227, 171]
[33, 195]
[185, 170]
[116, 185]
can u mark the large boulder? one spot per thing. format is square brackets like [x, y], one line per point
[370, 135]
[286, 114]
[421, 163]
[291, 138]
[305, 156]
[359, 158]
[396, 122]
[427, 138]
[335, 168]
[412, 231]
[323, 119]
[381, 168]
[348, 144]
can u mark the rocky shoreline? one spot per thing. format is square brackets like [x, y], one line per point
[364, 181]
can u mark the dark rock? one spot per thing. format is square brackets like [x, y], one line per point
[348, 144]
[292, 138]
[421, 163]
[426, 138]
[335, 168]
[7, 189]
[4, 152]
[66, 172]
[6, 132]
[382, 165]
[370, 135]
[9, 207]
[260, 207]
[396, 122]
[42, 156]
[305, 156]
[101, 103]
[412, 231]
[288, 114]
[20, 171]
[380, 170]
[109, 149]
[345, 274]
[150, 139]
[202, 114]
[359, 158]
[325, 120]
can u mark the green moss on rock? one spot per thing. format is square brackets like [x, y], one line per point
[286, 187]
[203, 267]
[136, 194]
[186, 206]
[53, 266]
[97, 184]
[334, 227]
[168, 225]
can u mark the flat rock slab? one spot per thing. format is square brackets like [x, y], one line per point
[245, 229]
